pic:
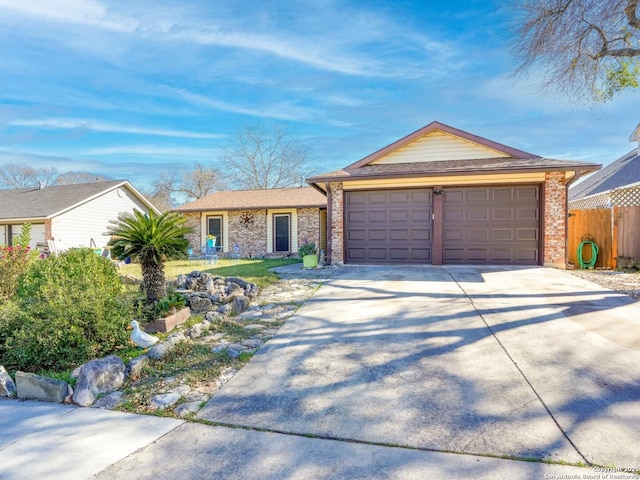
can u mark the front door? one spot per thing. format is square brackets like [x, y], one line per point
[282, 233]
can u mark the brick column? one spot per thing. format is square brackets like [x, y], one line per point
[555, 220]
[337, 223]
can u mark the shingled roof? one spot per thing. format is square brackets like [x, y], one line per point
[257, 199]
[623, 172]
[42, 203]
[453, 167]
[507, 160]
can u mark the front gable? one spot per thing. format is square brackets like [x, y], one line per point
[436, 146]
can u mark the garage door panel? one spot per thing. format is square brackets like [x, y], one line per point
[376, 235]
[399, 235]
[527, 213]
[502, 214]
[423, 235]
[397, 226]
[502, 235]
[477, 215]
[502, 194]
[477, 235]
[477, 195]
[399, 197]
[357, 235]
[355, 217]
[510, 225]
[377, 198]
[399, 216]
[528, 192]
[376, 216]
[523, 234]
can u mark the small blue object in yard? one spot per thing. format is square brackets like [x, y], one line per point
[211, 254]
[235, 252]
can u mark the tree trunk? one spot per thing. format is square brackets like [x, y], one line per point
[154, 283]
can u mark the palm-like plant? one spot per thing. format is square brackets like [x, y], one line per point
[151, 240]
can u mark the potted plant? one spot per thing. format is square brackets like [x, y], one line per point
[211, 241]
[309, 254]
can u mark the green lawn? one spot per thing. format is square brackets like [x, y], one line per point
[251, 270]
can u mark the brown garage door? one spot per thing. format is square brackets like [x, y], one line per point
[493, 225]
[388, 226]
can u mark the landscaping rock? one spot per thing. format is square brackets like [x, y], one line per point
[36, 387]
[213, 317]
[251, 290]
[110, 401]
[7, 386]
[134, 370]
[159, 351]
[196, 330]
[199, 303]
[239, 304]
[224, 309]
[164, 400]
[98, 376]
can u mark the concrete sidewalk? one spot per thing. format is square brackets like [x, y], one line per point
[51, 441]
[47, 441]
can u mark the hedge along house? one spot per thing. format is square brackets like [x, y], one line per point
[261, 223]
[75, 215]
[444, 196]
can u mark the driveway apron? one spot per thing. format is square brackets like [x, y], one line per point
[403, 356]
[579, 347]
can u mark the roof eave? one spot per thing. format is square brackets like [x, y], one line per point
[583, 169]
[229, 209]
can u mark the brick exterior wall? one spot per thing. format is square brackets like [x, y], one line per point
[337, 223]
[248, 230]
[555, 220]
[308, 225]
[193, 221]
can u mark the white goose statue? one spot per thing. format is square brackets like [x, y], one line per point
[140, 338]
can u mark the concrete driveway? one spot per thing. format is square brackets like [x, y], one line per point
[519, 362]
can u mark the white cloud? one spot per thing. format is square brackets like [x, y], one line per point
[154, 150]
[97, 126]
[281, 112]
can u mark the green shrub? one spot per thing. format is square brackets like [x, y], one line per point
[13, 263]
[162, 308]
[68, 309]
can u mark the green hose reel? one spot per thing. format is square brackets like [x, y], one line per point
[594, 253]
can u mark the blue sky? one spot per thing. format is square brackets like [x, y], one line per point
[129, 89]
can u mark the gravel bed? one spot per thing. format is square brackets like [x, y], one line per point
[627, 283]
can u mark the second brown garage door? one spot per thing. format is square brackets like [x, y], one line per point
[388, 226]
[491, 225]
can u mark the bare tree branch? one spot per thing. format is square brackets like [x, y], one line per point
[261, 156]
[588, 49]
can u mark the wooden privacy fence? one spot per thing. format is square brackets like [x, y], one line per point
[615, 230]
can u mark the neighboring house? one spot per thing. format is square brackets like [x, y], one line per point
[259, 223]
[444, 196]
[617, 184]
[71, 215]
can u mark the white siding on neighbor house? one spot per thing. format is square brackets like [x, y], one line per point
[90, 220]
[3, 234]
[225, 229]
[438, 146]
[293, 229]
[37, 234]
